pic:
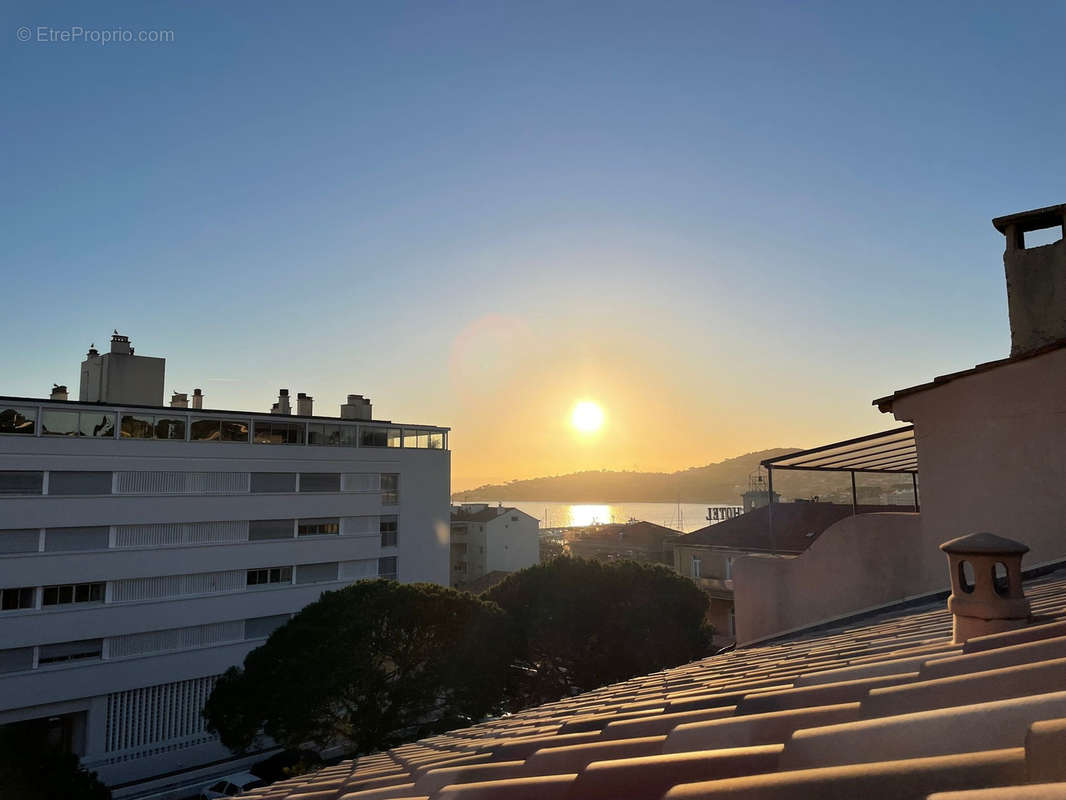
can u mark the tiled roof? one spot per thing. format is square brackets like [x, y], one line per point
[885, 707]
[796, 526]
[486, 515]
[640, 532]
[885, 403]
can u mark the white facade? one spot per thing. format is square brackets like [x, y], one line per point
[486, 539]
[144, 550]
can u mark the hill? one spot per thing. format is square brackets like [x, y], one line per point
[722, 482]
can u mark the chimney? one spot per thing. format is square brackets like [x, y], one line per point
[179, 400]
[304, 403]
[197, 398]
[1036, 279]
[93, 352]
[121, 344]
[357, 407]
[282, 406]
[986, 585]
[58, 392]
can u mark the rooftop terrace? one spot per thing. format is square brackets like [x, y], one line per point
[24, 416]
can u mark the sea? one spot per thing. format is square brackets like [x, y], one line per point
[686, 517]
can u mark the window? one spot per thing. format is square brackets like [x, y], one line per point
[436, 440]
[59, 423]
[318, 527]
[360, 482]
[363, 569]
[273, 482]
[143, 426]
[62, 539]
[60, 482]
[18, 659]
[14, 599]
[514, 519]
[390, 488]
[388, 527]
[219, 430]
[695, 567]
[331, 435]
[70, 651]
[12, 482]
[272, 432]
[72, 423]
[373, 437]
[387, 567]
[19, 420]
[260, 529]
[320, 481]
[381, 437]
[316, 573]
[729, 568]
[359, 526]
[170, 428]
[24, 540]
[70, 593]
[137, 426]
[262, 627]
[259, 577]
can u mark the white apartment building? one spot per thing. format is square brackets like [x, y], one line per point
[144, 548]
[487, 539]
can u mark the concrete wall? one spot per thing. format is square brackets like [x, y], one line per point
[858, 563]
[422, 552]
[512, 542]
[992, 457]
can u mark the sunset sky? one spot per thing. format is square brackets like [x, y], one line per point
[730, 225]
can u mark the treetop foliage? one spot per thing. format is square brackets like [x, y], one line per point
[373, 664]
[582, 624]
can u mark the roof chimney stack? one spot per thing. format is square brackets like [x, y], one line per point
[197, 398]
[304, 404]
[121, 344]
[179, 400]
[282, 406]
[1036, 279]
[58, 392]
[986, 585]
[357, 407]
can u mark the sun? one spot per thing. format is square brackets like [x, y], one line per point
[587, 417]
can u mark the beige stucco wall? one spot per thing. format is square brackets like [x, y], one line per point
[712, 562]
[858, 563]
[992, 457]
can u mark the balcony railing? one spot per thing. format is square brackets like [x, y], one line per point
[716, 584]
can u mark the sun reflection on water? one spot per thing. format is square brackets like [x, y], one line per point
[589, 515]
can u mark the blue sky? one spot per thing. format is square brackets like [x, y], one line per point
[732, 225]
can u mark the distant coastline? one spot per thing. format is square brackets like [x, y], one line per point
[720, 483]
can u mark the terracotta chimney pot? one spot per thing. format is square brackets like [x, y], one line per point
[986, 585]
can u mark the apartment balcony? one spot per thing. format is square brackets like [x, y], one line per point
[718, 587]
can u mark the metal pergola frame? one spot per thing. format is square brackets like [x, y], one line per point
[888, 452]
